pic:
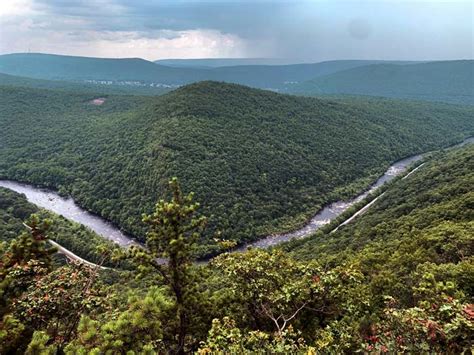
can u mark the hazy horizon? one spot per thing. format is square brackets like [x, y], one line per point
[287, 60]
[297, 31]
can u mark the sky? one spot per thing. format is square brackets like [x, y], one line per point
[303, 30]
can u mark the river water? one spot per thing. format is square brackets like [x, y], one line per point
[66, 207]
[328, 213]
[69, 209]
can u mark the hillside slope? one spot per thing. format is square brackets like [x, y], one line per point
[424, 223]
[449, 81]
[258, 161]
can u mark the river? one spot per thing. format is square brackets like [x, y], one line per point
[328, 213]
[66, 207]
[69, 209]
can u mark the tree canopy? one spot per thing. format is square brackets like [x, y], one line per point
[259, 162]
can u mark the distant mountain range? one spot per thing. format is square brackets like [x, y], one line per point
[58, 67]
[225, 62]
[449, 81]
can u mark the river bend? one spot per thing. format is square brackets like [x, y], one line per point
[69, 209]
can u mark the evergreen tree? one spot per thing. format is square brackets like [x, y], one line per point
[137, 330]
[173, 232]
[21, 263]
[25, 258]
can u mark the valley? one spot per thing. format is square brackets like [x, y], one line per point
[358, 257]
[335, 209]
[66, 234]
[236, 177]
[67, 208]
[262, 164]
[266, 166]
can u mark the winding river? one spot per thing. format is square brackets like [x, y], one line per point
[328, 213]
[69, 209]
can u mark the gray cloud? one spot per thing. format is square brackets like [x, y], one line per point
[310, 30]
[239, 17]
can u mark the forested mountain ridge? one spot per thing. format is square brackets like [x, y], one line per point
[131, 70]
[259, 162]
[449, 81]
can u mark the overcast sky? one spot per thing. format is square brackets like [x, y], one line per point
[313, 30]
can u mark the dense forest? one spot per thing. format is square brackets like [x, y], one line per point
[397, 280]
[439, 193]
[433, 81]
[415, 242]
[259, 162]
